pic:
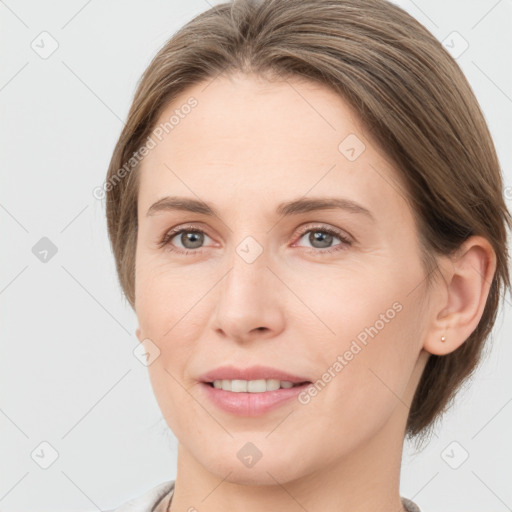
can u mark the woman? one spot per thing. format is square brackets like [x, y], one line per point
[305, 207]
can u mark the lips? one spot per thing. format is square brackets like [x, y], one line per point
[251, 373]
[255, 402]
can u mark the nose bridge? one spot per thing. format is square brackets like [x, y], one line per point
[248, 260]
[247, 279]
[246, 302]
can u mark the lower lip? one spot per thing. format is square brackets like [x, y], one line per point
[251, 404]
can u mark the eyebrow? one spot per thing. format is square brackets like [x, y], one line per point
[294, 207]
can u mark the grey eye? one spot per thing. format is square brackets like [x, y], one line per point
[190, 239]
[319, 239]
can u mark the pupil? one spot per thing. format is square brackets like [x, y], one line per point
[325, 239]
[193, 237]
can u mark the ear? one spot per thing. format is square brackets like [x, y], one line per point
[467, 278]
[138, 334]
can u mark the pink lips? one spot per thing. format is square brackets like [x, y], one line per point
[250, 404]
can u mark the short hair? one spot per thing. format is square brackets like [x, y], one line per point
[409, 93]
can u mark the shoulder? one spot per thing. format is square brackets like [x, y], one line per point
[148, 501]
[409, 505]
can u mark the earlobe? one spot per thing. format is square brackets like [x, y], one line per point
[466, 287]
[138, 334]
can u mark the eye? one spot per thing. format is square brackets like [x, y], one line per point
[322, 237]
[188, 239]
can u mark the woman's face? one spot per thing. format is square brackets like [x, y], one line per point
[332, 295]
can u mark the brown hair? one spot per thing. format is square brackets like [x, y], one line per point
[409, 93]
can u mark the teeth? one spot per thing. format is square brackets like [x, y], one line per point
[251, 386]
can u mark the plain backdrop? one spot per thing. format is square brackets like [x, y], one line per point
[73, 397]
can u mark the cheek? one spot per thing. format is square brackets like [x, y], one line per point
[167, 305]
[174, 399]
[172, 312]
[348, 305]
[369, 344]
[163, 294]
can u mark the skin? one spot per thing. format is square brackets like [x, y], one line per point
[248, 145]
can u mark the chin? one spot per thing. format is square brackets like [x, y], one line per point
[243, 462]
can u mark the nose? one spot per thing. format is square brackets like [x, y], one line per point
[250, 302]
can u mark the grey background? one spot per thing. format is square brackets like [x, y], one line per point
[68, 376]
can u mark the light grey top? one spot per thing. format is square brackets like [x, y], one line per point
[158, 499]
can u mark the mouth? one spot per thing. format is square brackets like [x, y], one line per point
[251, 398]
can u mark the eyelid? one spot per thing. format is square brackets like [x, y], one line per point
[346, 240]
[176, 230]
[319, 226]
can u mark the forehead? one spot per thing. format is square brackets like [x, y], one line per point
[241, 134]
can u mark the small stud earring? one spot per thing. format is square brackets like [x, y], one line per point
[443, 338]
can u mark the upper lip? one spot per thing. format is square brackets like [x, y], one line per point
[251, 373]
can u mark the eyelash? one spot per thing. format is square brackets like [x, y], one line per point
[166, 240]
